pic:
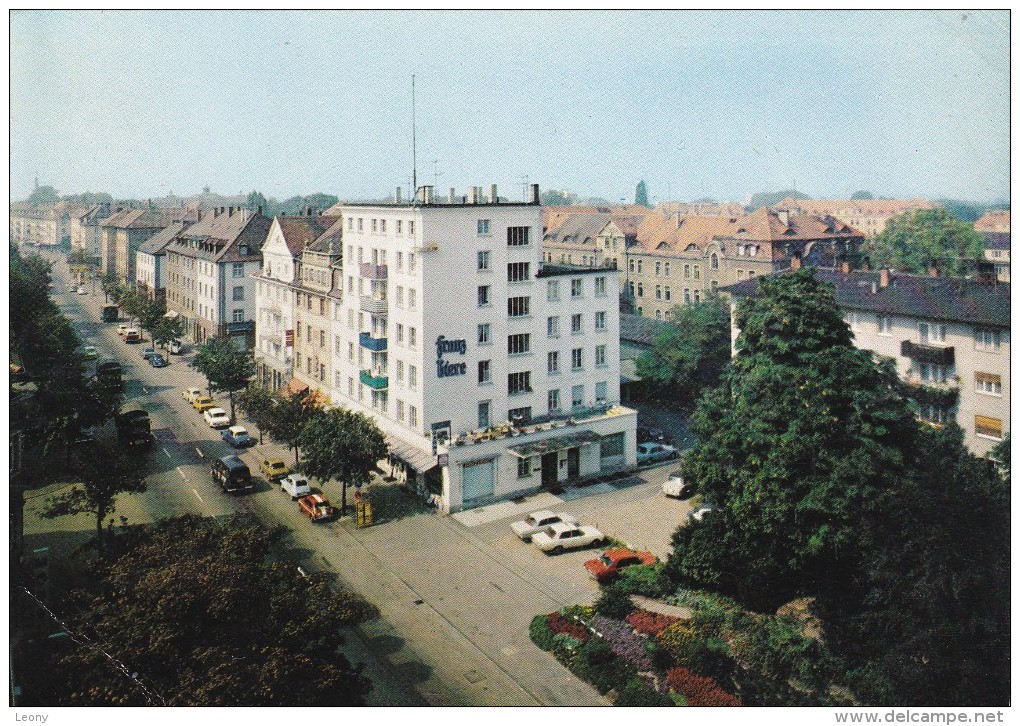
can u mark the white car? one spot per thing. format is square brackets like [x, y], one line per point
[675, 486]
[217, 418]
[190, 394]
[296, 485]
[82, 290]
[559, 537]
[537, 521]
[175, 346]
[699, 514]
[651, 452]
[122, 329]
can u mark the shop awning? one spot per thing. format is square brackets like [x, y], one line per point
[555, 443]
[413, 456]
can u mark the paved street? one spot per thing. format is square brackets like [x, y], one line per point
[454, 600]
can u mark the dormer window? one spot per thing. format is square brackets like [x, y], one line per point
[244, 251]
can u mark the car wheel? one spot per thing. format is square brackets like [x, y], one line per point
[557, 550]
[526, 540]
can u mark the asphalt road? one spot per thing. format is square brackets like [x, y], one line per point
[455, 601]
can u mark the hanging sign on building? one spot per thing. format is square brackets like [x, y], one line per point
[288, 338]
[445, 368]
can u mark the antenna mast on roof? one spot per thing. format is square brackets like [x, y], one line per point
[414, 145]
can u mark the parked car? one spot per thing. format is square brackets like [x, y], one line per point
[132, 336]
[675, 486]
[175, 347]
[90, 352]
[607, 566]
[190, 394]
[82, 290]
[650, 453]
[296, 485]
[699, 514]
[559, 537]
[158, 361]
[122, 329]
[203, 402]
[232, 474]
[146, 352]
[274, 468]
[537, 521]
[316, 507]
[658, 436]
[237, 436]
[217, 418]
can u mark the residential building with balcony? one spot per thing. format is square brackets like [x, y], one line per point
[211, 269]
[317, 309]
[278, 283]
[491, 372]
[949, 337]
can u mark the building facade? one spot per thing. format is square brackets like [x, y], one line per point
[211, 269]
[317, 309]
[949, 337]
[125, 230]
[150, 262]
[85, 229]
[490, 373]
[870, 216]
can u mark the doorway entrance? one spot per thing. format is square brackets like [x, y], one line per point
[549, 464]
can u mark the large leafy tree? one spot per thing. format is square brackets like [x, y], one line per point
[641, 194]
[112, 289]
[202, 612]
[44, 195]
[343, 445]
[917, 240]
[800, 443]
[289, 415]
[151, 314]
[104, 473]
[689, 354]
[226, 366]
[259, 405]
[167, 330]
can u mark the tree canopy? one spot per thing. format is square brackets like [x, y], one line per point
[287, 420]
[44, 195]
[915, 241]
[226, 366]
[203, 612]
[641, 194]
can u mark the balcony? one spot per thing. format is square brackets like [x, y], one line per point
[373, 272]
[376, 344]
[377, 382]
[373, 304]
[927, 353]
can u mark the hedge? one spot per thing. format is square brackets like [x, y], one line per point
[636, 692]
[540, 633]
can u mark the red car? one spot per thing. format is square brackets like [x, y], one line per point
[607, 567]
[316, 507]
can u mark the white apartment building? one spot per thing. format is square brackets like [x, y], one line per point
[490, 373]
[949, 338]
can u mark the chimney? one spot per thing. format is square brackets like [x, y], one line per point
[396, 196]
[884, 277]
[493, 198]
[534, 194]
[784, 216]
[259, 210]
[471, 195]
[427, 194]
[844, 267]
[795, 262]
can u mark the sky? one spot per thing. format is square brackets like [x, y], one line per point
[716, 104]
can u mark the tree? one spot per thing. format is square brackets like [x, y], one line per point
[167, 330]
[256, 201]
[689, 354]
[225, 366]
[112, 288]
[151, 314]
[205, 613]
[557, 198]
[1000, 455]
[641, 194]
[290, 413]
[44, 195]
[259, 405]
[343, 445]
[862, 195]
[802, 442]
[132, 302]
[105, 473]
[917, 240]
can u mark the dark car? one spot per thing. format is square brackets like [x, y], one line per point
[232, 475]
[158, 361]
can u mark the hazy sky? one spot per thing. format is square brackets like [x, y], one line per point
[715, 103]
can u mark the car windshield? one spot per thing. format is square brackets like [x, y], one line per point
[606, 560]
[531, 521]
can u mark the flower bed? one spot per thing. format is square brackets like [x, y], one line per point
[698, 690]
[623, 641]
[559, 624]
[648, 623]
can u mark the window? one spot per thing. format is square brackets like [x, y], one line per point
[986, 339]
[361, 224]
[697, 272]
[299, 329]
[553, 290]
[576, 359]
[238, 269]
[553, 326]
[400, 371]
[350, 352]
[933, 373]
[600, 355]
[484, 371]
[518, 344]
[519, 416]
[554, 400]
[687, 272]
[412, 337]
[518, 307]
[853, 319]
[600, 392]
[400, 296]
[322, 338]
[600, 284]
[575, 288]
[631, 265]
[375, 225]
[518, 271]
[988, 383]
[411, 258]
[238, 315]
[658, 269]
[483, 296]
[412, 416]
[554, 361]
[715, 261]
[412, 298]
[577, 396]
[483, 260]
[412, 378]
[740, 274]
[658, 292]
[639, 266]
[400, 230]
[523, 467]
[667, 269]
[484, 331]
[631, 286]
[382, 226]
[640, 290]
[884, 324]
[238, 292]
[484, 409]
[988, 427]
[400, 410]
[484, 226]
[715, 285]
[308, 333]
[697, 296]
[400, 332]
[519, 383]
[517, 236]
[600, 320]
[932, 332]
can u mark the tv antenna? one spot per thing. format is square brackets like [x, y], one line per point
[414, 145]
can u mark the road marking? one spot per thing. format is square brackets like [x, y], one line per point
[199, 452]
[198, 495]
[181, 472]
[166, 452]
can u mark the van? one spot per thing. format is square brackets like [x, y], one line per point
[232, 475]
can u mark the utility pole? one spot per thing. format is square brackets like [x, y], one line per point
[414, 145]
